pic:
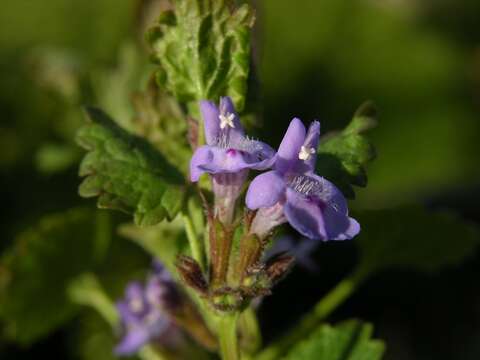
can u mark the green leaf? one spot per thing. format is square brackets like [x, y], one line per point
[414, 238]
[203, 50]
[163, 241]
[348, 341]
[86, 290]
[160, 120]
[342, 156]
[127, 173]
[94, 339]
[51, 158]
[113, 86]
[36, 272]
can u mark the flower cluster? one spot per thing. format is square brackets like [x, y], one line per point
[159, 313]
[239, 269]
[144, 312]
[227, 156]
[290, 191]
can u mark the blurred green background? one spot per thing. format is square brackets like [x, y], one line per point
[419, 61]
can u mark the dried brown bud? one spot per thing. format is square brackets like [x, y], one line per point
[278, 266]
[248, 218]
[192, 274]
[251, 249]
[220, 238]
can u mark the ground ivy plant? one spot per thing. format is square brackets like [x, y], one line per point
[207, 200]
[186, 163]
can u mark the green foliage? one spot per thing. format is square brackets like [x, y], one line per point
[94, 339]
[160, 120]
[113, 86]
[35, 273]
[52, 158]
[127, 173]
[203, 49]
[342, 156]
[414, 238]
[348, 341]
[163, 241]
[87, 290]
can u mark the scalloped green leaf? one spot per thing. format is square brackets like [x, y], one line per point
[342, 156]
[202, 48]
[350, 340]
[36, 272]
[414, 238]
[127, 173]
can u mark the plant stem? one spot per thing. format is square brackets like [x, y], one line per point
[86, 290]
[322, 309]
[195, 245]
[250, 331]
[227, 337]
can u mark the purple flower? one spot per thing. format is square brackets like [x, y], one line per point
[228, 149]
[143, 315]
[228, 155]
[310, 203]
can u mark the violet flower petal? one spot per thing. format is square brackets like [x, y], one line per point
[159, 270]
[215, 160]
[134, 290]
[339, 226]
[202, 156]
[127, 316]
[265, 190]
[228, 150]
[321, 212]
[330, 194]
[305, 215]
[290, 146]
[211, 122]
[132, 341]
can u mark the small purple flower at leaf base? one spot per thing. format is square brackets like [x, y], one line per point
[142, 313]
[228, 155]
[310, 203]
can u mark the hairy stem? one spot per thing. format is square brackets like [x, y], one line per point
[227, 337]
[322, 309]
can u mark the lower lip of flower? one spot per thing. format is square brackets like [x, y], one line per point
[316, 201]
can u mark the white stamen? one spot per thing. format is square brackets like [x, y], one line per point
[318, 188]
[226, 120]
[249, 145]
[246, 144]
[305, 153]
[308, 186]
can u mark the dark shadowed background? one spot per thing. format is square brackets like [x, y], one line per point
[419, 61]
